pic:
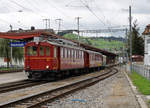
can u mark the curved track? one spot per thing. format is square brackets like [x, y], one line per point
[36, 100]
[17, 85]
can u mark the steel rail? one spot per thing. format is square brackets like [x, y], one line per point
[17, 85]
[36, 100]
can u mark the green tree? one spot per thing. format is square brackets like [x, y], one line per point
[137, 40]
[17, 55]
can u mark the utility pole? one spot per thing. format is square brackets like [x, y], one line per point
[130, 26]
[126, 45]
[59, 24]
[78, 18]
[10, 27]
[11, 47]
[47, 23]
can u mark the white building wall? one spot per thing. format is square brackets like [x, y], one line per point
[147, 51]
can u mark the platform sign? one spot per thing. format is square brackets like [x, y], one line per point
[17, 44]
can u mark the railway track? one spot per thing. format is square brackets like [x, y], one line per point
[37, 100]
[17, 85]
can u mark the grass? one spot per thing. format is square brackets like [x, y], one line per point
[142, 84]
[8, 69]
[98, 42]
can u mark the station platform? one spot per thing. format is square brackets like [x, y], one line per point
[12, 77]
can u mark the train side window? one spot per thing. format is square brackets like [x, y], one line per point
[69, 53]
[72, 53]
[62, 51]
[75, 54]
[47, 51]
[41, 51]
[34, 50]
[80, 55]
[55, 52]
[93, 57]
[66, 52]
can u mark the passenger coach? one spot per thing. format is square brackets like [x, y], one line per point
[49, 60]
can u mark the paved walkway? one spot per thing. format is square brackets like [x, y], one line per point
[12, 77]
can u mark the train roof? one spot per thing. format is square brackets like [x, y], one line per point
[37, 33]
[65, 45]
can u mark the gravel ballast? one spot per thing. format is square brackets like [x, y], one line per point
[113, 92]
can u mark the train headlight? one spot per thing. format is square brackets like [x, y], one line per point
[47, 67]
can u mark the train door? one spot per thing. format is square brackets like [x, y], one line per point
[86, 60]
[59, 57]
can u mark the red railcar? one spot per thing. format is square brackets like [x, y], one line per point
[47, 60]
[93, 60]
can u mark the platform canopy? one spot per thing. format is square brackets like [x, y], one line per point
[18, 36]
[37, 33]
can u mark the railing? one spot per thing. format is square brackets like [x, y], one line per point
[142, 70]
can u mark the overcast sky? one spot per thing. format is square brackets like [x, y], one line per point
[95, 14]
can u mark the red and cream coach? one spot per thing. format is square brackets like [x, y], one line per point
[51, 59]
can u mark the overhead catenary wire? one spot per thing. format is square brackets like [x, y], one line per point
[59, 10]
[28, 9]
[12, 1]
[25, 8]
[101, 22]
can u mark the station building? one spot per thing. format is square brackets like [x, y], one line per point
[146, 35]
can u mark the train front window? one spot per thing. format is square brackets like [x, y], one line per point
[41, 51]
[32, 51]
[47, 51]
[34, 48]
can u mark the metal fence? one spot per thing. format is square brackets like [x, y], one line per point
[142, 70]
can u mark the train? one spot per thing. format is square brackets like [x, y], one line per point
[48, 60]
